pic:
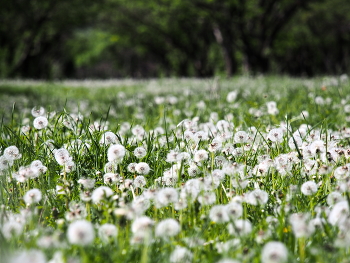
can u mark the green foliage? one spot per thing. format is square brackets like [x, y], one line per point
[84, 111]
[118, 38]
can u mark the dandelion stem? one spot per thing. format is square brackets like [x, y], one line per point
[144, 256]
[301, 242]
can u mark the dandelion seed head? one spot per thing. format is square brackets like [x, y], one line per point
[167, 228]
[40, 122]
[207, 198]
[240, 137]
[131, 167]
[309, 188]
[12, 153]
[181, 255]
[334, 197]
[62, 156]
[11, 229]
[193, 170]
[234, 210]
[38, 111]
[81, 232]
[5, 163]
[33, 196]
[76, 211]
[101, 193]
[116, 153]
[200, 136]
[174, 156]
[231, 96]
[240, 227]
[111, 178]
[339, 213]
[142, 224]
[200, 155]
[301, 225]
[140, 181]
[218, 214]
[109, 138]
[140, 152]
[274, 252]
[215, 145]
[28, 256]
[275, 135]
[142, 168]
[167, 195]
[107, 232]
[87, 183]
[257, 197]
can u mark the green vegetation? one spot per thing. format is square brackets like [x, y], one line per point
[175, 170]
[199, 38]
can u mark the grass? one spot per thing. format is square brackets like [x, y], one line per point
[171, 112]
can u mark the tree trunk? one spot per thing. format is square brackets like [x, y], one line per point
[226, 45]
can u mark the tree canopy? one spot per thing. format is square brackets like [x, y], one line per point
[201, 38]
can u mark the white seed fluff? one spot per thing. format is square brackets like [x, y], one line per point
[167, 228]
[80, 232]
[142, 168]
[40, 122]
[309, 188]
[274, 252]
[33, 196]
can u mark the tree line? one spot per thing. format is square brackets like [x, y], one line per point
[197, 38]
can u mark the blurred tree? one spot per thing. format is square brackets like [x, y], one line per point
[252, 27]
[122, 38]
[169, 30]
[317, 41]
[32, 34]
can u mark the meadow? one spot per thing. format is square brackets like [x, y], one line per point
[175, 170]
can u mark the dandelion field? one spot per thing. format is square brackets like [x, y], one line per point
[175, 170]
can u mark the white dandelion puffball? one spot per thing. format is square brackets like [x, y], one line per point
[339, 213]
[167, 228]
[106, 232]
[5, 163]
[166, 196]
[231, 96]
[38, 111]
[12, 228]
[116, 152]
[142, 168]
[81, 232]
[140, 152]
[309, 188]
[40, 122]
[240, 227]
[274, 252]
[140, 181]
[200, 155]
[227, 260]
[12, 153]
[275, 135]
[142, 224]
[108, 138]
[101, 193]
[218, 214]
[257, 197]
[181, 255]
[28, 256]
[62, 156]
[234, 210]
[240, 137]
[33, 196]
[87, 183]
